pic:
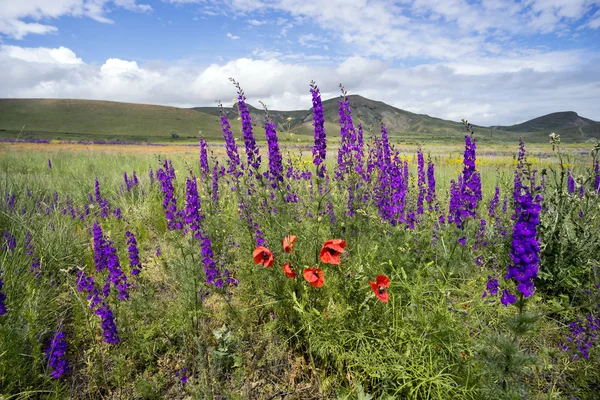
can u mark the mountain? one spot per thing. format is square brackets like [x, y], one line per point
[550, 122]
[69, 119]
[370, 113]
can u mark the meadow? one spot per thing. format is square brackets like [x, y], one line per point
[253, 268]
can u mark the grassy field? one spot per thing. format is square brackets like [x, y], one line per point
[194, 307]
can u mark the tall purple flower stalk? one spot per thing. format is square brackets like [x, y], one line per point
[213, 276]
[230, 146]
[347, 134]
[320, 147]
[193, 214]
[49, 164]
[275, 173]
[55, 352]
[524, 255]
[421, 183]
[494, 203]
[431, 197]
[134, 256]
[130, 183]
[2, 297]
[204, 168]
[87, 283]
[111, 336]
[166, 176]
[252, 152]
[102, 203]
[105, 256]
[468, 195]
[570, 181]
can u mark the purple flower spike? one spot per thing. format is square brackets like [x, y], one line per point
[320, 147]
[55, 352]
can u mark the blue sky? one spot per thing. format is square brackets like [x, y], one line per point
[491, 61]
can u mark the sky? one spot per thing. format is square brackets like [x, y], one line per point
[493, 62]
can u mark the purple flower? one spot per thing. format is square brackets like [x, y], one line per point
[525, 248]
[181, 374]
[213, 276]
[462, 240]
[507, 298]
[431, 197]
[494, 202]
[49, 164]
[230, 146]
[10, 242]
[348, 136]
[134, 258]
[55, 352]
[111, 336]
[492, 287]
[570, 181]
[193, 213]
[204, 169]
[465, 195]
[105, 256]
[252, 152]
[582, 337]
[102, 203]
[2, 298]
[166, 176]
[320, 147]
[87, 283]
[275, 172]
[420, 181]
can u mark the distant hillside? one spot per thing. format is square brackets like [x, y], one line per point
[370, 113]
[106, 120]
[554, 121]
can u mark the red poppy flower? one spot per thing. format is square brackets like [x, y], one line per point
[330, 253]
[380, 286]
[263, 256]
[287, 269]
[314, 276]
[288, 243]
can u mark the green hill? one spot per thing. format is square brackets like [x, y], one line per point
[125, 122]
[104, 120]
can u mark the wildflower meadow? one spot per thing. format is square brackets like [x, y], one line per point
[351, 267]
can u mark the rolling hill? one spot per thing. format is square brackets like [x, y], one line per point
[68, 119]
[104, 120]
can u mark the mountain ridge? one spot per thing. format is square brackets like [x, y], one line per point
[93, 119]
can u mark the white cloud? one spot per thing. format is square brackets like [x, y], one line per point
[255, 22]
[232, 37]
[13, 12]
[507, 94]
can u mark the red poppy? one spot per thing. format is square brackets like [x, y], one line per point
[380, 286]
[287, 269]
[314, 276]
[330, 253]
[263, 256]
[288, 243]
